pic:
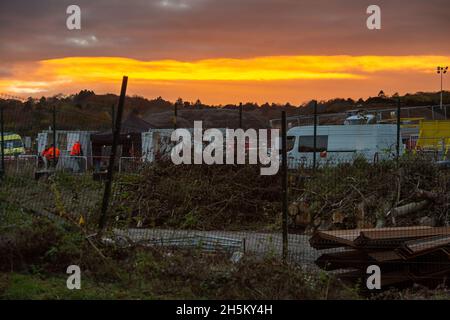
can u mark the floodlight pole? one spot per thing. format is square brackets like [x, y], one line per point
[441, 71]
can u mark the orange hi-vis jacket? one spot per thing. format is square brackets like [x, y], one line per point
[76, 149]
[50, 153]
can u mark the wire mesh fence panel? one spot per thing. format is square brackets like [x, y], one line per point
[351, 202]
[131, 164]
[44, 174]
[360, 214]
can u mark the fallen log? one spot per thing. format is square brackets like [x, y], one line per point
[424, 194]
[293, 209]
[408, 208]
[300, 212]
[361, 209]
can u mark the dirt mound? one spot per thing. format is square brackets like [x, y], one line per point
[211, 117]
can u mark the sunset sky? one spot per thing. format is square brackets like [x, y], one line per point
[224, 51]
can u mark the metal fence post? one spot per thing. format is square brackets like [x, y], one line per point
[284, 184]
[2, 129]
[175, 115]
[113, 115]
[116, 138]
[315, 135]
[398, 130]
[240, 115]
[54, 137]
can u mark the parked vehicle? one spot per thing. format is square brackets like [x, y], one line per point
[434, 137]
[341, 143]
[13, 144]
[360, 118]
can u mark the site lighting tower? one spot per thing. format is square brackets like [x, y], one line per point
[442, 71]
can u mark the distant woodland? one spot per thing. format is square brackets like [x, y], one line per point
[89, 111]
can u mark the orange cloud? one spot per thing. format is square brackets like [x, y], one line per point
[47, 75]
[260, 68]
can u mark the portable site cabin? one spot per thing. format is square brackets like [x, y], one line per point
[65, 139]
[157, 144]
[130, 142]
[341, 143]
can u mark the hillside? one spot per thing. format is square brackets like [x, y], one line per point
[89, 111]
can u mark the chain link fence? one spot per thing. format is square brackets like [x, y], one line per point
[384, 187]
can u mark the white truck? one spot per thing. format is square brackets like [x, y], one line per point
[341, 143]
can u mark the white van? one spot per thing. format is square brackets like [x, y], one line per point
[341, 143]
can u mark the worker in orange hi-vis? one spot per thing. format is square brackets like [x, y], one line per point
[76, 153]
[51, 155]
[44, 156]
[76, 149]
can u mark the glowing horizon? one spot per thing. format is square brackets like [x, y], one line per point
[57, 75]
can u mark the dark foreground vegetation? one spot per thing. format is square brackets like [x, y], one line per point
[202, 197]
[199, 197]
[344, 196]
[362, 195]
[36, 252]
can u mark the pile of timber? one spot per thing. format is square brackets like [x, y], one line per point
[405, 255]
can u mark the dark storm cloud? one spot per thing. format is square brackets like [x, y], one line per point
[193, 29]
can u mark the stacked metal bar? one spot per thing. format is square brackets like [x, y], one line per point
[405, 255]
